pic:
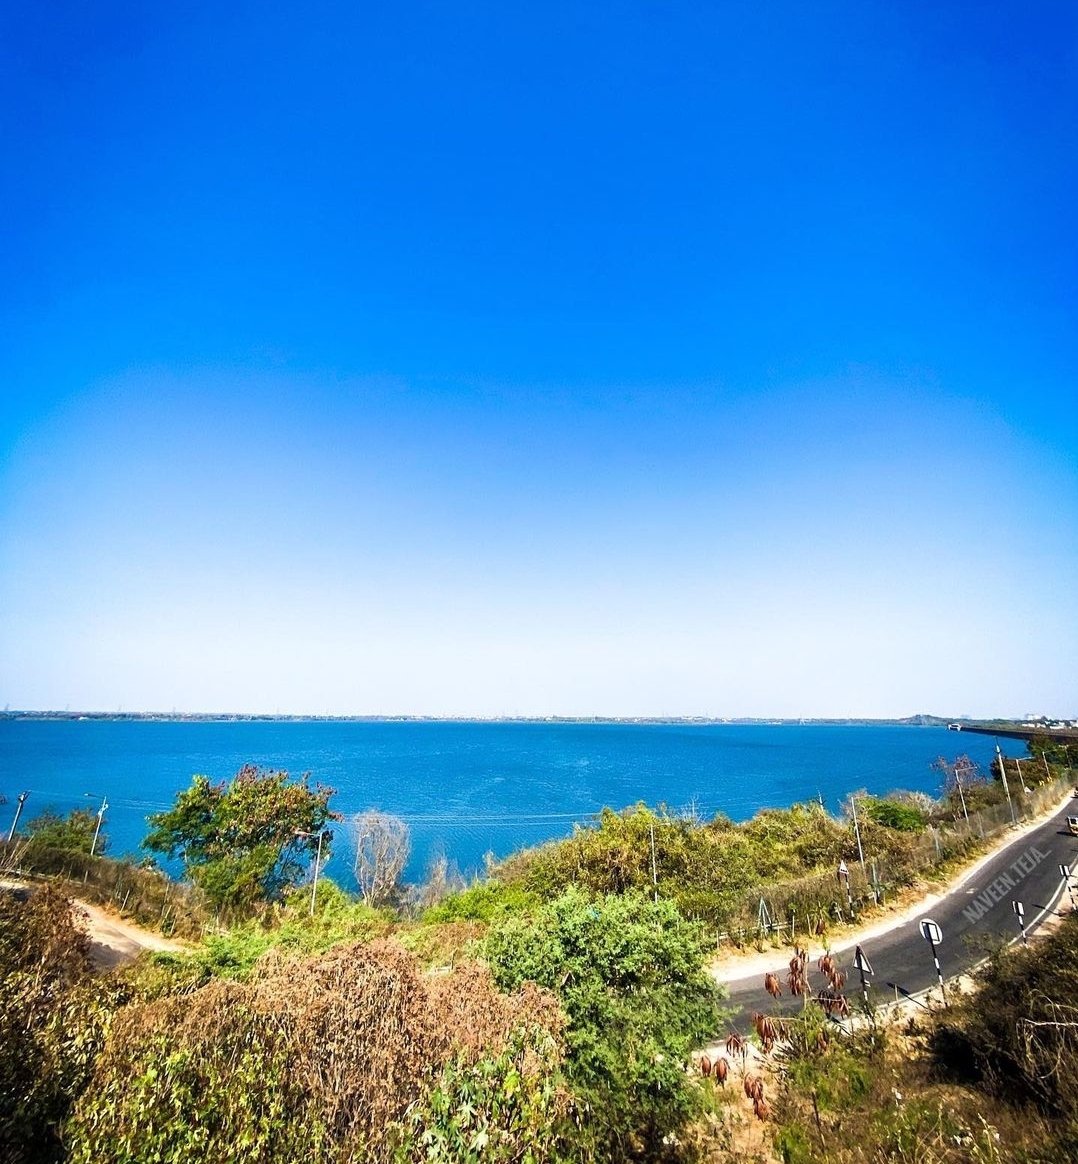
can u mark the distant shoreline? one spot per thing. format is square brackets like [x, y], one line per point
[254, 717]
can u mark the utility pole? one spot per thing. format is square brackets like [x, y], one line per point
[18, 811]
[961, 794]
[1006, 786]
[317, 866]
[100, 817]
[857, 830]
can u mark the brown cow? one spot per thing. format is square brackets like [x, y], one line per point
[722, 1069]
[704, 1063]
[760, 1108]
[772, 985]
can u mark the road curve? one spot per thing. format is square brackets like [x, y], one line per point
[974, 917]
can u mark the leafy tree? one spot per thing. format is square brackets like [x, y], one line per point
[246, 841]
[630, 975]
[73, 833]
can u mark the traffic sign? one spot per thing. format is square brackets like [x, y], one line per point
[1064, 872]
[931, 932]
[1019, 909]
[861, 962]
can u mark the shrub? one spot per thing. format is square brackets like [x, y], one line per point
[52, 1022]
[894, 814]
[630, 974]
[1017, 1036]
[344, 1056]
[73, 833]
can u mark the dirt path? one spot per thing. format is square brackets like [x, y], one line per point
[114, 941]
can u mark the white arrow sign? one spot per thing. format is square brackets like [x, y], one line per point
[1018, 908]
[1064, 872]
[931, 932]
[861, 962]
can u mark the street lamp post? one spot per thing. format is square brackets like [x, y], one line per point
[317, 863]
[961, 794]
[1006, 786]
[18, 812]
[100, 817]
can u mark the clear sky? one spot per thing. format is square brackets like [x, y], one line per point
[548, 359]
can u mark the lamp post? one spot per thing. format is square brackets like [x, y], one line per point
[1006, 786]
[317, 863]
[18, 812]
[100, 817]
[958, 784]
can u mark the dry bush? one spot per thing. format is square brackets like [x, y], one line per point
[52, 1019]
[472, 1015]
[324, 1057]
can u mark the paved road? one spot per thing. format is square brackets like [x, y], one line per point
[974, 917]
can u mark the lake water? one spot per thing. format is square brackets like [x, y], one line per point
[470, 788]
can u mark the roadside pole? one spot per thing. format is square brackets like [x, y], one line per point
[1065, 873]
[1006, 786]
[844, 872]
[857, 831]
[100, 817]
[961, 794]
[18, 812]
[933, 935]
[317, 866]
[1020, 913]
[864, 967]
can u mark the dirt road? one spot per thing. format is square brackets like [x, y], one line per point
[114, 941]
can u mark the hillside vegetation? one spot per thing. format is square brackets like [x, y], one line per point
[550, 1012]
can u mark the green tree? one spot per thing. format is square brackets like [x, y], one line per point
[630, 975]
[74, 832]
[246, 841]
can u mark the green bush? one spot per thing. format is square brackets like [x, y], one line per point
[503, 1108]
[894, 814]
[630, 975]
[486, 901]
[73, 833]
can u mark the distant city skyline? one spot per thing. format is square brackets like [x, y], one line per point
[621, 361]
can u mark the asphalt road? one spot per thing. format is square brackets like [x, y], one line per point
[974, 918]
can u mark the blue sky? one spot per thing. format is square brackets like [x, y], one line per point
[483, 359]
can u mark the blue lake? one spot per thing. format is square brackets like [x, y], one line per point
[470, 788]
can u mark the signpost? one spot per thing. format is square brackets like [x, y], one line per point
[844, 872]
[933, 935]
[864, 967]
[1065, 873]
[1020, 913]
